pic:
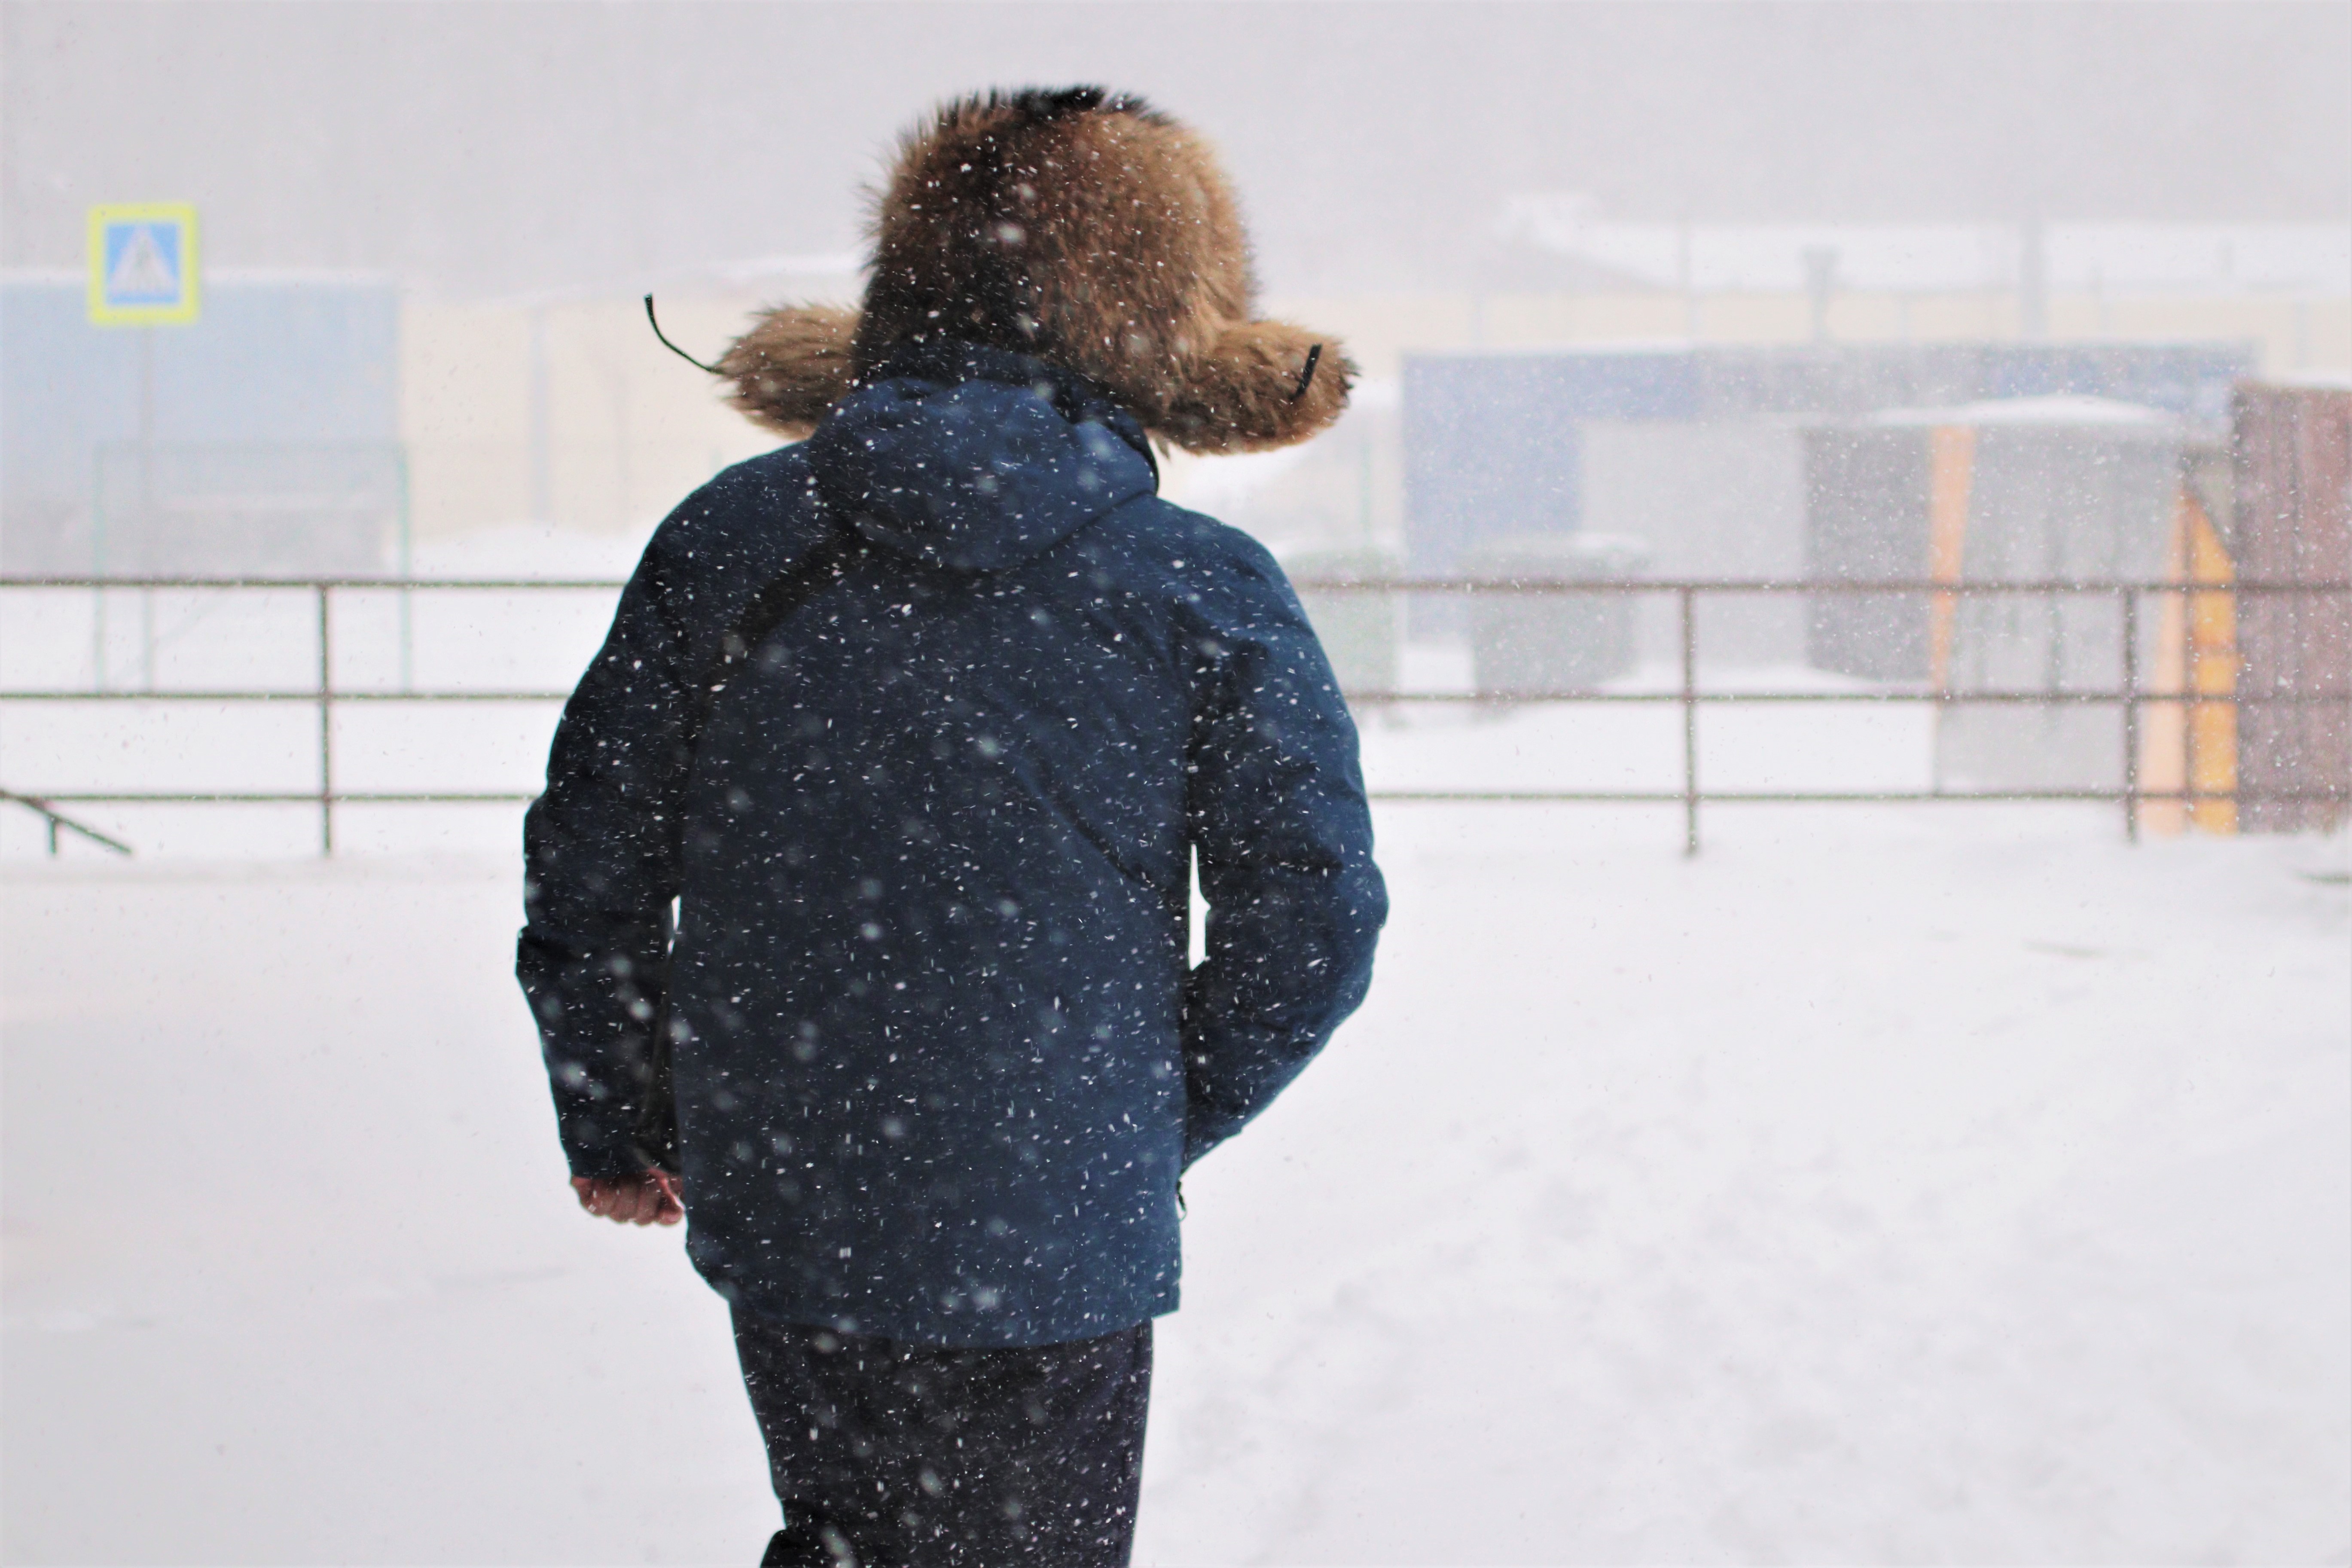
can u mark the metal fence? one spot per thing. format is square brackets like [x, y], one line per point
[2131, 697]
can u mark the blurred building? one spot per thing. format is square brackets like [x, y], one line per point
[263, 438]
[561, 410]
[2290, 521]
[2024, 490]
[1699, 455]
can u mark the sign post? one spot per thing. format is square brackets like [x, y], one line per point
[143, 273]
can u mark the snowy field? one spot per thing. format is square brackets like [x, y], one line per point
[1936, 1184]
[1880, 1186]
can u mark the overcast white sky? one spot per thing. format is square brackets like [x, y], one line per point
[496, 148]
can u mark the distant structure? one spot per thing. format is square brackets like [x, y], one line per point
[1699, 455]
[2290, 521]
[2067, 489]
[264, 438]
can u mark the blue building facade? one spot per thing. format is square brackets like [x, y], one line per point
[262, 438]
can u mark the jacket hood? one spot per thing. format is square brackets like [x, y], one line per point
[976, 459]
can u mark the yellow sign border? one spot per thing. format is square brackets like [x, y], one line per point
[102, 314]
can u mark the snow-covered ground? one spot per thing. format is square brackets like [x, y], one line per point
[1949, 1184]
[1879, 1186]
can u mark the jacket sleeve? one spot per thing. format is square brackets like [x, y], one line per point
[1283, 838]
[602, 847]
[601, 866]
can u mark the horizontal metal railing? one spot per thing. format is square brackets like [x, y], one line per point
[2131, 697]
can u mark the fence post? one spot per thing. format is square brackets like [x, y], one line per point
[326, 726]
[407, 570]
[2131, 714]
[1686, 597]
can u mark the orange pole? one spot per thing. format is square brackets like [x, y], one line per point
[2212, 677]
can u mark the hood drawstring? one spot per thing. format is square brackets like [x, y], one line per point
[714, 370]
[1306, 377]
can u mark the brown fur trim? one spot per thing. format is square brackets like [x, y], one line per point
[793, 365]
[1243, 394]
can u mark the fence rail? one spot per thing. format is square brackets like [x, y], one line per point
[57, 821]
[2131, 696]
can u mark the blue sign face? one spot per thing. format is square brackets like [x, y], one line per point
[143, 264]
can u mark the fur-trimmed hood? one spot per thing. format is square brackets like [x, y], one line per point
[1083, 228]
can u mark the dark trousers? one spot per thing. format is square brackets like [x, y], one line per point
[904, 1455]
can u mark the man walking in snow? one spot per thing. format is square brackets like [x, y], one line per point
[921, 726]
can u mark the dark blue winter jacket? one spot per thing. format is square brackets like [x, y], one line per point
[939, 1059]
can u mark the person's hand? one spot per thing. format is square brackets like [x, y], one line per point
[650, 1197]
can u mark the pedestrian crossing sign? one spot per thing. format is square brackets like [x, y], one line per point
[143, 264]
